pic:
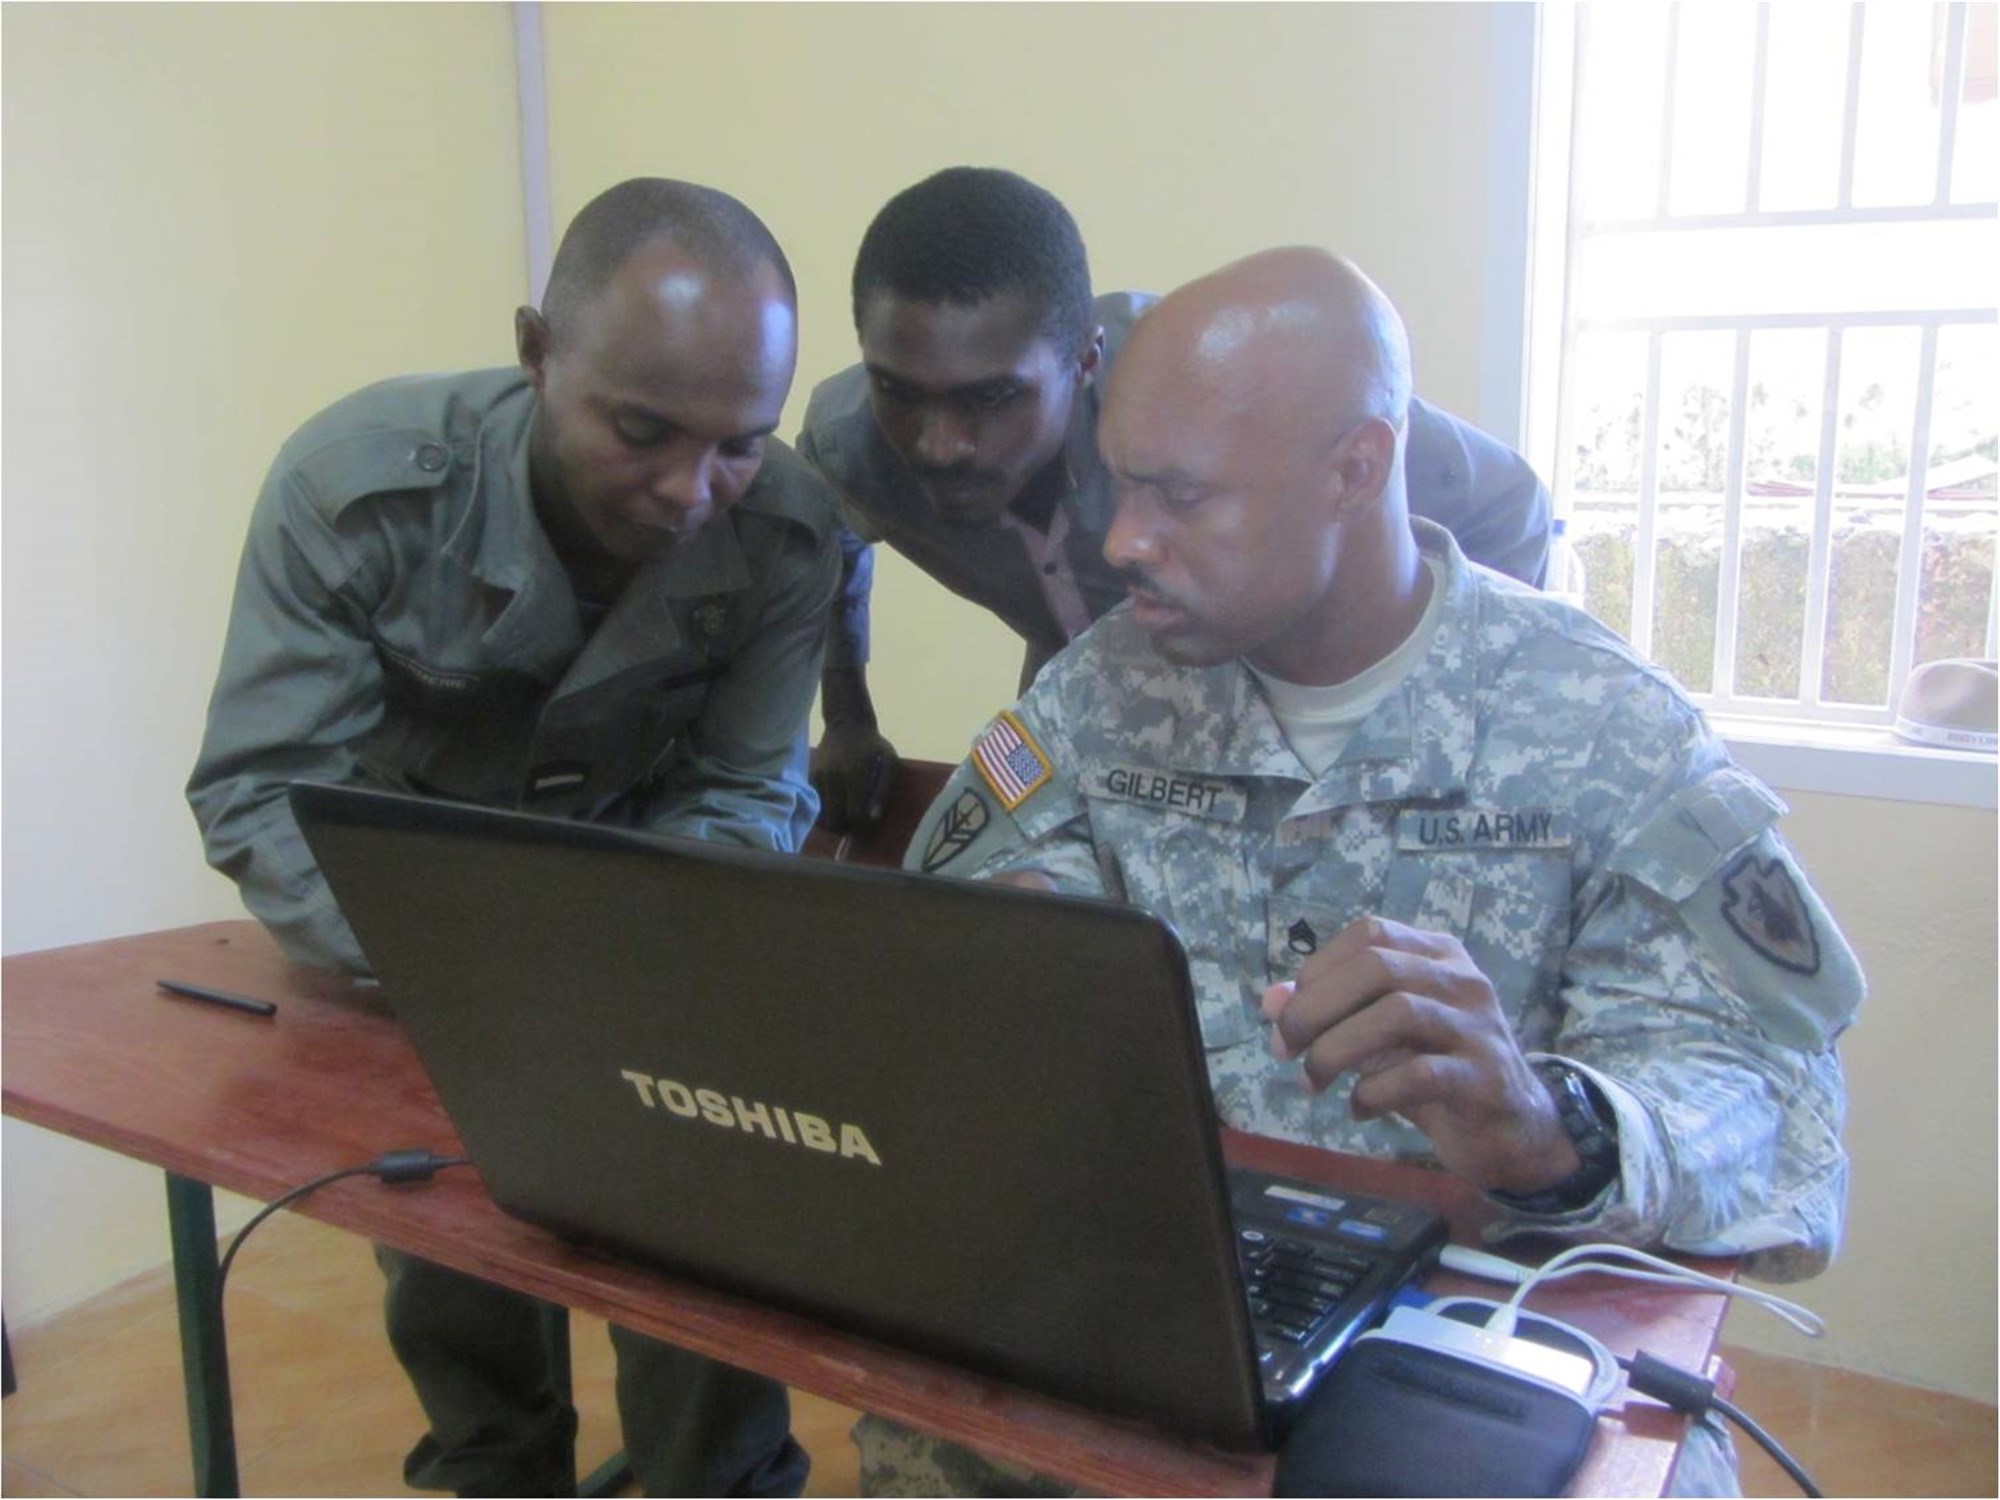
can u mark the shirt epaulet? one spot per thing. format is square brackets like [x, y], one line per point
[366, 443]
[349, 468]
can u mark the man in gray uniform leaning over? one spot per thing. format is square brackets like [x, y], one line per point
[967, 440]
[1462, 880]
[592, 586]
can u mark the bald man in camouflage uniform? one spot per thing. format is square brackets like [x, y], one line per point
[1462, 880]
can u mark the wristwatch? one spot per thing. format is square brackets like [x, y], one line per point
[1592, 1127]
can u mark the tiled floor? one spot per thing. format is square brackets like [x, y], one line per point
[321, 1408]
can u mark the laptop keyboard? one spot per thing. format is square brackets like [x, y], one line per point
[1318, 1268]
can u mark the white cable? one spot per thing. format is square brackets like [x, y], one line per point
[1484, 1264]
[1584, 1258]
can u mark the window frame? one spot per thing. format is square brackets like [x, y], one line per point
[1795, 744]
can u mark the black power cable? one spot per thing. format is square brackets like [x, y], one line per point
[391, 1166]
[1694, 1395]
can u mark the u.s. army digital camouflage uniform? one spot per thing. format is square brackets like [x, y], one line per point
[1534, 790]
[402, 622]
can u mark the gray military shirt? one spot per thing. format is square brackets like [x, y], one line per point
[1533, 789]
[402, 622]
[1479, 489]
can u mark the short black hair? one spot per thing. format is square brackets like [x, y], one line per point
[969, 233]
[715, 228]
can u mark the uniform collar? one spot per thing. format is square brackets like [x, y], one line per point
[500, 541]
[651, 617]
[1417, 744]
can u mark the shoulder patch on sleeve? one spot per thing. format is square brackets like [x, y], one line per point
[1764, 906]
[1007, 792]
[955, 826]
[1012, 765]
[1713, 852]
[336, 474]
[1771, 939]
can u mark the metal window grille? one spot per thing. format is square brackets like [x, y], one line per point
[1658, 621]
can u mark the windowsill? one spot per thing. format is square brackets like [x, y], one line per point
[1858, 762]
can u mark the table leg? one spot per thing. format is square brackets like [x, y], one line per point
[204, 1354]
[615, 1473]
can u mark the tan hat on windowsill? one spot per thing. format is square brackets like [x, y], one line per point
[1952, 704]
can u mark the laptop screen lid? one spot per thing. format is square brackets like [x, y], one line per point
[961, 1118]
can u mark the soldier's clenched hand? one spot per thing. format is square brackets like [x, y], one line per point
[1414, 1017]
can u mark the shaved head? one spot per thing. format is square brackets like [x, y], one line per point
[1296, 318]
[715, 231]
[1254, 424]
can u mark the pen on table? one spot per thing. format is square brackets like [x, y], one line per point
[217, 997]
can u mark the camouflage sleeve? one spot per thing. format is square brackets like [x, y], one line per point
[1704, 989]
[1013, 806]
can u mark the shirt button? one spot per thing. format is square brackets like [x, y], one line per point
[1050, 569]
[431, 458]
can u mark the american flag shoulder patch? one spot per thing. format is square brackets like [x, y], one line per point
[1012, 764]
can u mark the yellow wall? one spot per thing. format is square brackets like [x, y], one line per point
[217, 219]
[1912, 1293]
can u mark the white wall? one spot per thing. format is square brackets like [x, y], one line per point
[217, 219]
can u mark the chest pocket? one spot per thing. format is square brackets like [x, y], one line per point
[440, 695]
[1510, 910]
[1194, 872]
[618, 733]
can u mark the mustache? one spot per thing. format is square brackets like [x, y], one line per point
[1139, 581]
[1141, 584]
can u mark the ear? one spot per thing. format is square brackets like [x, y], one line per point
[531, 344]
[1358, 470]
[1091, 360]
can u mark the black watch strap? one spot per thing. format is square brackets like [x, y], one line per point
[1592, 1127]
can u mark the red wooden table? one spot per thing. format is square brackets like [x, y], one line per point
[258, 1106]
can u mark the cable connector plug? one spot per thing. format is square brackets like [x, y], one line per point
[1482, 1263]
[410, 1165]
[1684, 1392]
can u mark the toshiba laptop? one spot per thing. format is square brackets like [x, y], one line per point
[963, 1119]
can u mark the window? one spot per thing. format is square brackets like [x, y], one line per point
[1762, 366]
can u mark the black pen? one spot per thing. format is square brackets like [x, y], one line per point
[217, 997]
